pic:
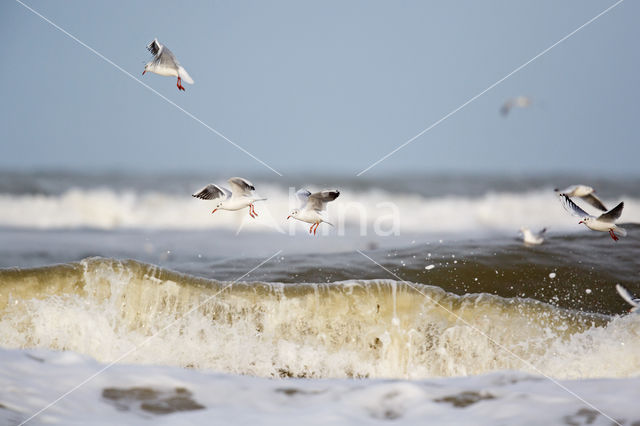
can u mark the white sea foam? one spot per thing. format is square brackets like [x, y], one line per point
[369, 211]
[37, 378]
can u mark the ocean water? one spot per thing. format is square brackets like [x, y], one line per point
[421, 303]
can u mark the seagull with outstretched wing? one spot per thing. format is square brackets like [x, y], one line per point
[311, 207]
[584, 192]
[602, 223]
[165, 63]
[240, 196]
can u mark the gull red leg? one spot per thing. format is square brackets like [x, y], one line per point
[253, 209]
[180, 87]
[613, 235]
[311, 229]
[315, 229]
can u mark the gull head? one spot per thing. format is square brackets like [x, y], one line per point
[219, 205]
[585, 220]
[294, 213]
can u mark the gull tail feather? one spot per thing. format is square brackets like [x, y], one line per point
[183, 74]
[620, 231]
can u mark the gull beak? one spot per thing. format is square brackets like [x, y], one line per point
[289, 217]
[582, 221]
[214, 210]
[144, 72]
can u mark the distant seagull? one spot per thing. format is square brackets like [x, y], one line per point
[311, 205]
[531, 238]
[165, 63]
[628, 297]
[603, 223]
[240, 196]
[585, 192]
[518, 101]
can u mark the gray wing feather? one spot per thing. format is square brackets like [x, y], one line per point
[241, 185]
[594, 201]
[303, 196]
[318, 200]
[612, 214]
[162, 55]
[572, 207]
[211, 192]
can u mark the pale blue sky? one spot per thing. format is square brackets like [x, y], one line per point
[321, 86]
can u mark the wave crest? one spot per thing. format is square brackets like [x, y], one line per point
[376, 328]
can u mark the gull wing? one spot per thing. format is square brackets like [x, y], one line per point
[163, 57]
[211, 192]
[568, 190]
[240, 186]
[154, 47]
[318, 200]
[595, 201]
[572, 207]
[612, 214]
[303, 196]
[506, 107]
[628, 297]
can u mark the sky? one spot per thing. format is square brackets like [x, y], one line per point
[321, 87]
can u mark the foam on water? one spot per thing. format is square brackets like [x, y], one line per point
[357, 328]
[140, 395]
[368, 211]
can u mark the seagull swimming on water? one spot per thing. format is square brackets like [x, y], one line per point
[165, 63]
[585, 192]
[602, 223]
[531, 238]
[240, 196]
[311, 206]
[628, 297]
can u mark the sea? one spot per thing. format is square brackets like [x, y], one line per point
[124, 300]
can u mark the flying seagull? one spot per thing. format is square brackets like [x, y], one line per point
[628, 297]
[240, 196]
[603, 223]
[585, 192]
[311, 206]
[518, 101]
[165, 63]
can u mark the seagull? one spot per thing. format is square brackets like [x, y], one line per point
[603, 223]
[311, 205]
[628, 297]
[165, 63]
[531, 238]
[240, 196]
[519, 101]
[585, 192]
